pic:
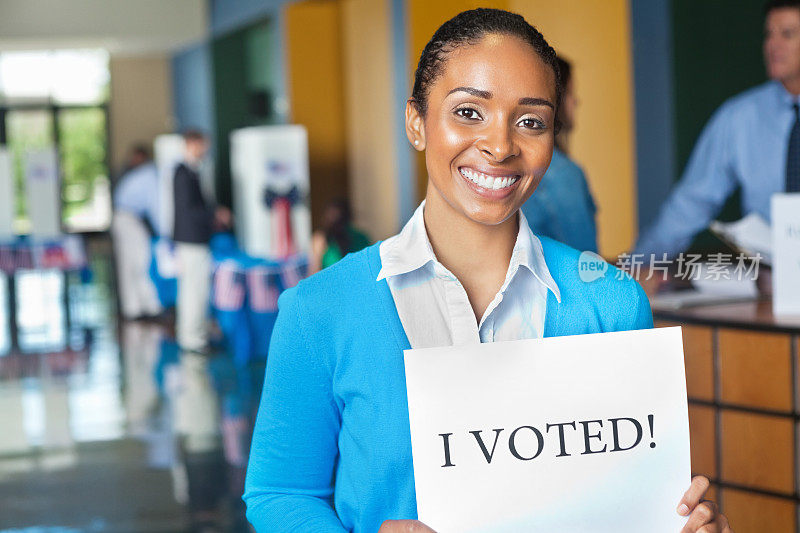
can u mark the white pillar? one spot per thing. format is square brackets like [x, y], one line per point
[44, 192]
[7, 196]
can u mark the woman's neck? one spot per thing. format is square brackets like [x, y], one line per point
[470, 250]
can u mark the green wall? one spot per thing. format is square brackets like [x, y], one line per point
[242, 67]
[717, 54]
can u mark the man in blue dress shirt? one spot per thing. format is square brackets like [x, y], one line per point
[134, 222]
[751, 141]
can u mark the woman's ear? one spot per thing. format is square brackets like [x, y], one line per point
[415, 126]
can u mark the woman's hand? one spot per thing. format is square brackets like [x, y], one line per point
[404, 526]
[704, 517]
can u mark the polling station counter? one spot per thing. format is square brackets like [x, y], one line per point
[742, 381]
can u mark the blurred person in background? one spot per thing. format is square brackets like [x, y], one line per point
[195, 219]
[132, 228]
[752, 141]
[562, 207]
[337, 238]
[139, 155]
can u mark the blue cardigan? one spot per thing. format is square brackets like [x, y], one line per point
[331, 450]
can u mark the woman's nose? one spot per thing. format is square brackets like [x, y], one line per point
[498, 144]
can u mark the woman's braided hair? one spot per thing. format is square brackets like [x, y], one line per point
[469, 27]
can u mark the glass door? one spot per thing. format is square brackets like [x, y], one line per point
[86, 191]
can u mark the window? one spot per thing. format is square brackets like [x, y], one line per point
[58, 99]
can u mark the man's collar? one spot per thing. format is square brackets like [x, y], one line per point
[784, 96]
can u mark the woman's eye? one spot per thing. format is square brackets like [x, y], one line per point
[468, 113]
[531, 124]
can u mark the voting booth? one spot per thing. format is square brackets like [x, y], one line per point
[269, 165]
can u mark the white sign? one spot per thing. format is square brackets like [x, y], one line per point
[7, 196]
[568, 434]
[269, 162]
[44, 193]
[786, 245]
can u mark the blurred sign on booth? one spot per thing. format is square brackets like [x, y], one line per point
[269, 165]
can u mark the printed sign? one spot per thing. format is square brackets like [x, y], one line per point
[579, 433]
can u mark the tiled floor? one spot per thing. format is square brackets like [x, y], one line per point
[106, 426]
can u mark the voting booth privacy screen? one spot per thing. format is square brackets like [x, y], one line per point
[269, 167]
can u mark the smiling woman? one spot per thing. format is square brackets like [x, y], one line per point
[331, 450]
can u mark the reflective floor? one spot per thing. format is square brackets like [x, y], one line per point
[106, 426]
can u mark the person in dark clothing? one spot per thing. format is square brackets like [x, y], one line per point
[195, 219]
[194, 215]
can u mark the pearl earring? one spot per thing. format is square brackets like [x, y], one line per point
[416, 143]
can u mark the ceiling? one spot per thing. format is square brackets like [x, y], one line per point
[123, 27]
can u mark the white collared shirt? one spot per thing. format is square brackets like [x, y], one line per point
[433, 305]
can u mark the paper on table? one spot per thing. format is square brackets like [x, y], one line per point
[750, 235]
[692, 297]
[476, 471]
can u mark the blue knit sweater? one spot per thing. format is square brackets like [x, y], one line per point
[331, 450]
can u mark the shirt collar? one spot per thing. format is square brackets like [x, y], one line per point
[411, 250]
[784, 96]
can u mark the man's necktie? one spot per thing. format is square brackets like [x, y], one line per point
[793, 156]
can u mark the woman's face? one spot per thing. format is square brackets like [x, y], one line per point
[488, 129]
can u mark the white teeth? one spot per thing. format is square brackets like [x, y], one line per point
[488, 182]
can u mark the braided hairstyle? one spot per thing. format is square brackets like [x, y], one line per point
[469, 27]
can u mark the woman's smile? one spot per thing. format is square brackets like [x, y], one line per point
[490, 183]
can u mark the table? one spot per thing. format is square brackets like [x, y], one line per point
[744, 409]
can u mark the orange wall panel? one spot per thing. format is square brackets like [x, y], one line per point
[315, 62]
